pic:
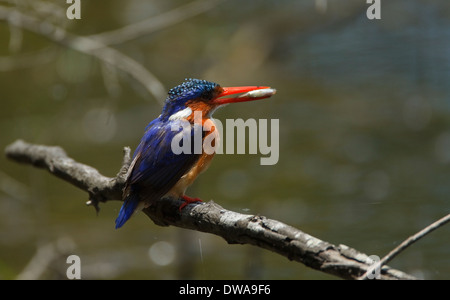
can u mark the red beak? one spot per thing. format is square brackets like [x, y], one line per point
[248, 94]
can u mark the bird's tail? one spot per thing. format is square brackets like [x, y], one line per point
[128, 208]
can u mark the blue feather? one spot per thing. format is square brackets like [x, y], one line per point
[190, 89]
[156, 167]
[126, 211]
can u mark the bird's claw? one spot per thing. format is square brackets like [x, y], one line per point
[188, 200]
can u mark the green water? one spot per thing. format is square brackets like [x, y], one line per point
[364, 137]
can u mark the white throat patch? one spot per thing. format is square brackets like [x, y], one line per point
[182, 114]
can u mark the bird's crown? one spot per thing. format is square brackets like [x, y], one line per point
[192, 88]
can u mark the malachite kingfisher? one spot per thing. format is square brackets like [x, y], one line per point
[156, 171]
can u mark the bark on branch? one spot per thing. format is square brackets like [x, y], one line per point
[235, 228]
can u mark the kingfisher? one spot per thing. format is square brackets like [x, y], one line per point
[156, 169]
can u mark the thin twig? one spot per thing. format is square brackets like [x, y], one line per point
[28, 60]
[408, 242]
[47, 255]
[147, 26]
[87, 46]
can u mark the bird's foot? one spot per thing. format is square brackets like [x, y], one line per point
[188, 200]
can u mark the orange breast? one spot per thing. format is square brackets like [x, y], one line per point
[202, 164]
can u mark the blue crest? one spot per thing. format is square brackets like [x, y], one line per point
[190, 89]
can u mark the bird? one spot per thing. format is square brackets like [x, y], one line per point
[156, 171]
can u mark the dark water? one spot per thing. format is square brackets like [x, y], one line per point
[364, 137]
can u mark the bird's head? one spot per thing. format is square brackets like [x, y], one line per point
[201, 95]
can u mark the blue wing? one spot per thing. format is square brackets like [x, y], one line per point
[155, 167]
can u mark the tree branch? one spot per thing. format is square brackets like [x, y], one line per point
[235, 228]
[86, 45]
[405, 244]
[97, 45]
[147, 26]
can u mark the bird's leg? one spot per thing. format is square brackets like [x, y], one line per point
[188, 200]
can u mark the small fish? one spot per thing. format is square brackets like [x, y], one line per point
[259, 93]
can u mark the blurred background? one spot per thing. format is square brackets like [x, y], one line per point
[364, 110]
